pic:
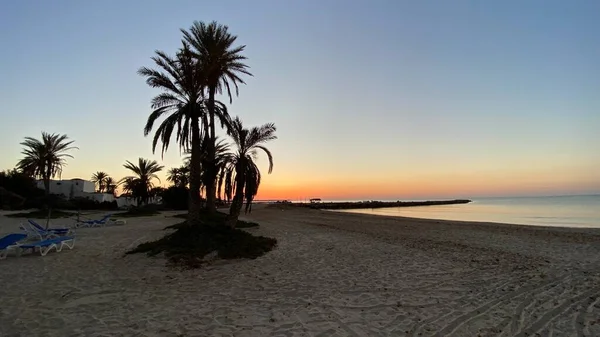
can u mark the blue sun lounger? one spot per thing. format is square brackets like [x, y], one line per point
[93, 222]
[46, 245]
[105, 220]
[35, 233]
[58, 231]
[8, 242]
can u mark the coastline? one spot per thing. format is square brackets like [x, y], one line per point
[515, 226]
[333, 273]
[377, 204]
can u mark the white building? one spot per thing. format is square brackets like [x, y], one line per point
[125, 202]
[71, 188]
[79, 188]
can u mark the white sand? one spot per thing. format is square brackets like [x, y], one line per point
[376, 276]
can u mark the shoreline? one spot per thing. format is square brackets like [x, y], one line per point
[472, 222]
[378, 221]
[349, 205]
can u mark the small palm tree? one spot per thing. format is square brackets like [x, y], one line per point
[99, 178]
[140, 184]
[182, 102]
[45, 159]
[222, 64]
[110, 185]
[179, 176]
[242, 176]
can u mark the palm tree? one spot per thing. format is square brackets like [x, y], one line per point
[183, 103]
[45, 159]
[221, 64]
[179, 176]
[156, 191]
[221, 155]
[242, 176]
[110, 185]
[140, 184]
[99, 178]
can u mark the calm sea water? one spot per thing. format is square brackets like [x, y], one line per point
[563, 211]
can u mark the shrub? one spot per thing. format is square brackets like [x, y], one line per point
[80, 203]
[22, 185]
[176, 197]
[219, 216]
[189, 245]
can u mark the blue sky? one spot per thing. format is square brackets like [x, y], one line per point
[372, 99]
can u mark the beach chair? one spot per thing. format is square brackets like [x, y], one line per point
[105, 220]
[34, 233]
[10, 242]
[45, 246]
[93, 222]
[58, 231]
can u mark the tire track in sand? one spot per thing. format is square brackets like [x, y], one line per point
[461, 320]
[546, 318]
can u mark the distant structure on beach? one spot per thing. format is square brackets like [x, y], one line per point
[315, 200]
[79, 188]
[72, 188]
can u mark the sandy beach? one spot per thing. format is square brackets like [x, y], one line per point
[332, 274]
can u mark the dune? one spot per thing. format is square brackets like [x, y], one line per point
[332, 274]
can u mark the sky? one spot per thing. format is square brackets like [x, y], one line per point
[372, 99]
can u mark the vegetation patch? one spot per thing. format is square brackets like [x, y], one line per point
[219, 216]
[42, 214]
[190, 246]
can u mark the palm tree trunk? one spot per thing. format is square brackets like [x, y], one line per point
[210, 167]
[47, 200]
[238, 199]
[194, 205]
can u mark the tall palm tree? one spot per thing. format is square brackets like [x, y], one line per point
[140, 184]
[222, 64]
[182, 102]
[242, 176]
[45, 158]
[179, 176]
[99, 178]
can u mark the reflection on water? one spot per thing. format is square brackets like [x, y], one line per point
[564, 211]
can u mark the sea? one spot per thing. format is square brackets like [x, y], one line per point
[560, 211]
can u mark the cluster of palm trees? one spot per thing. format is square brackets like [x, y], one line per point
[208, 63]
[139, 185]
[105, 183]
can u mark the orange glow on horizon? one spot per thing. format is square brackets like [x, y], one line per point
[431, 186]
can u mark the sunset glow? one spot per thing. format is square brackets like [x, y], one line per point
[418, 101]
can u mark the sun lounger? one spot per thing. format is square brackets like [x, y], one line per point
[45, 246]
[59, 231]
[105, 220]
[34, 233]
[10, 242]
